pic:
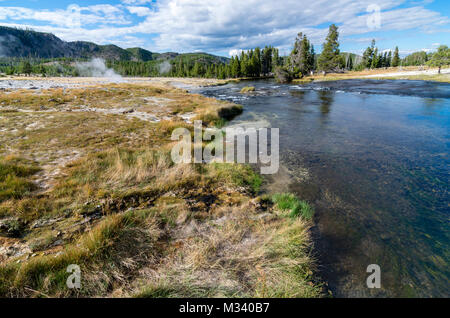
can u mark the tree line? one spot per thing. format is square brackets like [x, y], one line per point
[303, 60]
[253, 63]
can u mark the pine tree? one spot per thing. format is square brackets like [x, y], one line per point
[349, 62]
[275, 59]
[301, 59]
[440, 58]
[10, 70]
[375, 59]
[368, 55]
[25, 68]
[235, 67]
[196, 70]
[329, 59]
[42, 70]
[384, 60]
[257, 62]
[396, 58]
[244, 66]
[222, 72]
[389, 59]
[266, 60]
[312, 56]
[254, 69]
[180, 68]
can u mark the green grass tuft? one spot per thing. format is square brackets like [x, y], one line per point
[239, 175]
[288, 202]
[14, 178]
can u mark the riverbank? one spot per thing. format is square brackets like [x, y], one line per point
[86, 178]
[402, 73]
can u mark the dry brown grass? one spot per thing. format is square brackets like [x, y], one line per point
[115, 204]
[376, 74]
[241, 254]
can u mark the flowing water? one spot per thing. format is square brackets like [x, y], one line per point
[373, 158]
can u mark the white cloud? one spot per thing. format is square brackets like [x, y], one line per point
[90, 15]
[139, 11]
[138, 2]
[205, 25]
[235, 52]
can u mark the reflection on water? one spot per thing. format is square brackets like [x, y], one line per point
[373, 158]
[326, 98]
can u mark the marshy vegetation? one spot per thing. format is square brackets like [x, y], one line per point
[86, 178]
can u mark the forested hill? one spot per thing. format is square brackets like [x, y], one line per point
[19, 43]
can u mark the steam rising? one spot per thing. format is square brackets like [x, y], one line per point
[164, 67]
[97, 68]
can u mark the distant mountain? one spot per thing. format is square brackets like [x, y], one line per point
[21, 43]
[204, 58]
[138, 54]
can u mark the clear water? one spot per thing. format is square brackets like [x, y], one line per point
[373, 158]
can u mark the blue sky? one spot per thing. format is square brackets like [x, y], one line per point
[227, 26]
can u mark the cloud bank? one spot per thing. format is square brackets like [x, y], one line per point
[222, 26]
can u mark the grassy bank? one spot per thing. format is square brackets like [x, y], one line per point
[377, 74]
[86, 178]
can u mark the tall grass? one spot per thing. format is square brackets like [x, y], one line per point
[47, 273]
[287, 268]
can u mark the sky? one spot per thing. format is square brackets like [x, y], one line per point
[224, 27]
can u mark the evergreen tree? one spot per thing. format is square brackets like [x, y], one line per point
[312, 56]
[368, 55]
[10, 70]
[384, 60]
[266, 60]
[375, 59]
[440, 58]
[25, 68]
[275, 59]
[244, 66]
[301, 58]
[237, 67]
[349, 64]
[396, 58]
[254, 64]
[416, 58]
[222, 72]
[196, 70]
[257, 62]
[41, 70]
[329, 59]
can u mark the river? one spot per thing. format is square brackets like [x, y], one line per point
[373, 158]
